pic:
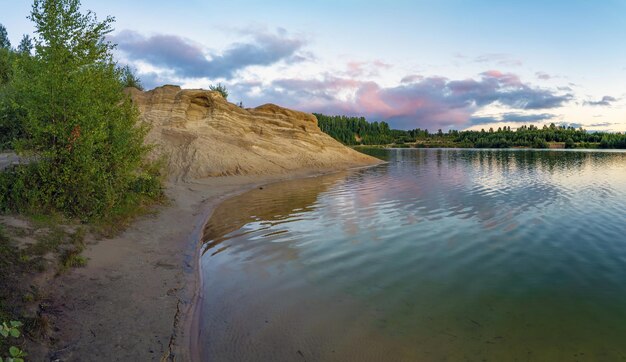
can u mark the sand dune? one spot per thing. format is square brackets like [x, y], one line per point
[202, 135]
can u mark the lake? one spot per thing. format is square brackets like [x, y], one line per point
[440, 254]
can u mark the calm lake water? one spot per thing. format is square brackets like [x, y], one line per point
[438, 255]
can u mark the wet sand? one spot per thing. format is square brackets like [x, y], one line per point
[134, 299]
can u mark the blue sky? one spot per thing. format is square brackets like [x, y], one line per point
[429, 64]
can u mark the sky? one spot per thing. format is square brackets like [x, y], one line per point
[445, 64]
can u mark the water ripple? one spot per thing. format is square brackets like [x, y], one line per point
[523, 249]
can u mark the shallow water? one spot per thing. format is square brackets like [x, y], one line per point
[438, 255]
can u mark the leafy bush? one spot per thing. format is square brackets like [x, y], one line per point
[77, 123]
[129, 79]
[12, 330]
[10, 127]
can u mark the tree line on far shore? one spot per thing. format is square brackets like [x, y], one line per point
[358, 131]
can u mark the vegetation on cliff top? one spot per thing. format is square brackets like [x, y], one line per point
[219, 88]
[358, 131]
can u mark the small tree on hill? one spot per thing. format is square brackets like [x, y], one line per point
[221, 89]
[129, 79]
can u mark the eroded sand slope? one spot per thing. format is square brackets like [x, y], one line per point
[203, 135]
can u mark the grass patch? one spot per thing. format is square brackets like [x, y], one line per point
[70, 253]
[72, 259]
[11, 265]
[125, 213]
[24, 252]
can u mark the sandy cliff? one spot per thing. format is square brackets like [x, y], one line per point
[203, 135]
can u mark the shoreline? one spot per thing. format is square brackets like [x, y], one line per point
[139, 293]
[191, 323]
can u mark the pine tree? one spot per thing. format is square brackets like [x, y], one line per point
[26, 45]
[5, 43]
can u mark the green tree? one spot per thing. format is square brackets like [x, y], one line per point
[6, 65]
[129, 79]
[221, 89]
[26, 45]
[8, 127]
[79, 127]
[5, 43]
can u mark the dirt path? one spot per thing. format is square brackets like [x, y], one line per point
[8, 159]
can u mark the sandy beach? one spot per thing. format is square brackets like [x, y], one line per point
[134, 299]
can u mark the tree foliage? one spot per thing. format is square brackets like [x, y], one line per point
[220, 88]
[358, 131]
[5, 43]
[129, 79]
[355, 130]
[6, 61]
[6, 65]
[26, 45]
[532, 136]
[78, 126]
[9, 129]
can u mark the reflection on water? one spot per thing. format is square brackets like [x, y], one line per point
[264, 210]
[437, 255]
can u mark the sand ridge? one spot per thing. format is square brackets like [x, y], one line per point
[202, 135]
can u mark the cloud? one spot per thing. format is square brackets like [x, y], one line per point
[603, 124]
[150, 80]
[356, 69]
[581, 125]
[498, 58]
[425, 102]
[412, 78]
[543, 75]
[189, 60]
[417, 101]
[511, 118]
[605, 101]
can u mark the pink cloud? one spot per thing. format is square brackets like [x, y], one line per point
[424, 102]
[369, 99]
[506, 78]
[359, 69]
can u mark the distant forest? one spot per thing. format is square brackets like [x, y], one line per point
[358, 131]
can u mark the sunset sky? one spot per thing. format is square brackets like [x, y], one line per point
[429, 64]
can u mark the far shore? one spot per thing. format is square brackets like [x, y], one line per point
[421, 147]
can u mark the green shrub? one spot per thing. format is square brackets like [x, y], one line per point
[78, 126]
[12, 330]
[221, 89]
[129, 79]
